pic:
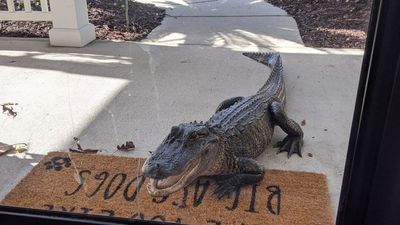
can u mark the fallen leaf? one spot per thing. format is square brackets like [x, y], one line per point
[128, 146]
[85, 151]
[8, 109]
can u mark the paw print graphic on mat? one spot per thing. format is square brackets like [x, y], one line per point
[58, 163]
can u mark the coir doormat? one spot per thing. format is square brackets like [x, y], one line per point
[108, 185]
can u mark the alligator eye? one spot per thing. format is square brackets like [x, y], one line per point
[174, 130]
[202, 132]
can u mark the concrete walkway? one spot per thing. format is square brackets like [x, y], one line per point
[111, 92]
[242, 25]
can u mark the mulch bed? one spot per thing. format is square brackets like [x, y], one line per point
[107, 15]
[329, 23]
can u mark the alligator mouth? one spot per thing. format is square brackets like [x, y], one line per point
[166, 186]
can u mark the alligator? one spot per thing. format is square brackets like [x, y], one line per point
[225, 147]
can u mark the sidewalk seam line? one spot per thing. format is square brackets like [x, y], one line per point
[227, 16]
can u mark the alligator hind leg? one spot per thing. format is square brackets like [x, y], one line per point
[293, 142]
[228, 103]
[246, 172]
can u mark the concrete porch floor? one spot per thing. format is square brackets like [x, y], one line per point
[111, 92]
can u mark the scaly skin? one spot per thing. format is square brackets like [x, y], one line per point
[227, 144]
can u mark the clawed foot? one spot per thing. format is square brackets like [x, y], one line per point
[291, 145]
[225, 188]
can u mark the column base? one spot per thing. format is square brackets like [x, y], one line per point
[72, 37]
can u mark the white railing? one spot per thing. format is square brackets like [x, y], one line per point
[71, 25]
[27, 14]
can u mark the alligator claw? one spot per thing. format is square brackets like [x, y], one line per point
[224, 189]
[226, 185]
[291, 145]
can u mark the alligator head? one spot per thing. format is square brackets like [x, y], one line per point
[185, 154]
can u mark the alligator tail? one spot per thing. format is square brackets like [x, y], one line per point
[270, 59]
[275, 81]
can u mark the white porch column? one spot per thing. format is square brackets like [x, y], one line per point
[71, 25]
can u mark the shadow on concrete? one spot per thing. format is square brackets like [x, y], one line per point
[277, 33]
[101, 58]
[14, 167]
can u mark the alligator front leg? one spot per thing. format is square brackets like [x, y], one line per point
[246, 172]
[293, 142]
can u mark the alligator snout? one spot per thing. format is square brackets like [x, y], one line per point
[155, 170]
